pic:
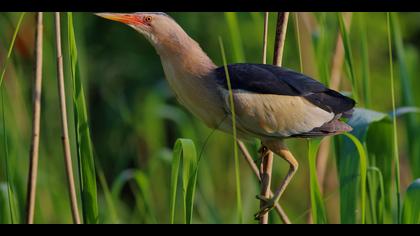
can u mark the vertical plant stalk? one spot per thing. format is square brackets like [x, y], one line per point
[265, 38]
[33, 165]
[394, 119]
[84, 145]
[266, 166]
[267, 156]
[348, 55]
[10, 194]
[253, 166]
[64, 123]
[365, 71]
[235, 148]
[335, 81]
[281, 29]
[266, 169]
[338, 57]
[297, 30]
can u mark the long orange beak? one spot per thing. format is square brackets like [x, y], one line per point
[125, 18]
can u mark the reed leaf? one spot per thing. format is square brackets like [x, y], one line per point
[83, 138]
[363, 174]
[352, 165]
[364, 61]
[411, 210]
[411, 123]
[348, 55]
[390, 31]
[144, 197]
[13, 210]
[109, 200]
[317, 204]
[184, 161]
[376, 195]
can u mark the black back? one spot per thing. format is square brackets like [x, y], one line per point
[269, 79]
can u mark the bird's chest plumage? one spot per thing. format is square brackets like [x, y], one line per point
[199, 96]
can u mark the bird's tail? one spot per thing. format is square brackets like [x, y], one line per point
[347, 114]
[330, 128]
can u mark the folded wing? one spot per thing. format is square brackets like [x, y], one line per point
[274, 101]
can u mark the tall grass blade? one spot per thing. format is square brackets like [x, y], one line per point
[297, 32]
[376, 198]
[185, 160]
[378, 142]
[13, 211]
[394, 120]
[411, 210]
[83, 138]
[9, 184]
[5, 215]
[364, 61]
[112, 212]
[321, 42]
[12, 44]
[235, 147]
[352, 164]
[317, 204]
[348, 55]
[8, 207]
[142, 189]
[363, 173]
[375, 132]
[144, 195]
[412, 125]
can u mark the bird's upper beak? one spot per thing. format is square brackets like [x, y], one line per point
[125, 18]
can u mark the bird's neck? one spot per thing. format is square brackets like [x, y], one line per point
[187, 69]
[185, 55]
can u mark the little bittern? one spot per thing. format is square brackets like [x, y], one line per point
[271, 103]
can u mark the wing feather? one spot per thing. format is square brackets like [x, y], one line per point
[269, 79]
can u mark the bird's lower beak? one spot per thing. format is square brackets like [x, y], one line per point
[125, 18]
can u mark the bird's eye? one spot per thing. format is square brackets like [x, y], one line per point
[148, 19]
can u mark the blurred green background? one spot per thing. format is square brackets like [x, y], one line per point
[135, 120]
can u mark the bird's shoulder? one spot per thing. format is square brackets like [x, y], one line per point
[267, 79]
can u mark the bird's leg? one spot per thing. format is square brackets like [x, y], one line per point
[264, 153]
[265, 175]
[281, 150]
[282, 214]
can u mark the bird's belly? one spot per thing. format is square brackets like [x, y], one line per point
[276, 116]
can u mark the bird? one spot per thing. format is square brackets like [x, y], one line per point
[271, 103]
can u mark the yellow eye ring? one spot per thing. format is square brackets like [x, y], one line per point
[148, 19]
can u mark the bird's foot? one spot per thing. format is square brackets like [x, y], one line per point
[263, 151]
[268, 206]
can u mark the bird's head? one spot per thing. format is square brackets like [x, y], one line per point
[157, 27]
[170, 41]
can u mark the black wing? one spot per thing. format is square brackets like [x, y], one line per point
[269, 79]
